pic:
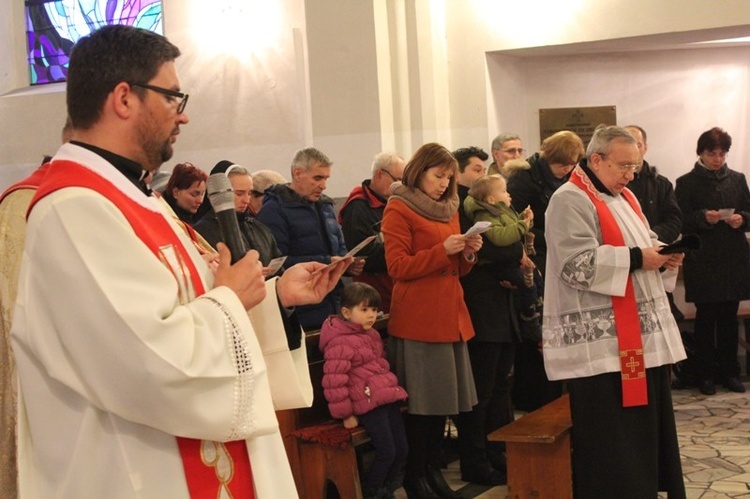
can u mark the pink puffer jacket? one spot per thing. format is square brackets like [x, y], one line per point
[356, 376]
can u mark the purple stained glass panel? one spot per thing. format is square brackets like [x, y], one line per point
[53, 27]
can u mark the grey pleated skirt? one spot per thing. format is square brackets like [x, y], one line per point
[437, 376]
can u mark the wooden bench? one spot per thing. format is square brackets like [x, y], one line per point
[538, 452]
[322, 453]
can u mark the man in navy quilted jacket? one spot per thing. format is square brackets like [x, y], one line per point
[303, 221]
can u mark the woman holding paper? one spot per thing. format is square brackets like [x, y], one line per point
[429, 323]
[715, 203]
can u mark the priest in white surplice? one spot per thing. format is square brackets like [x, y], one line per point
[142, 374]
[608, 328]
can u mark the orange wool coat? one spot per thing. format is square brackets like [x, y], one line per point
[428, 302]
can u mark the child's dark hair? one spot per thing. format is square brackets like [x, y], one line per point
[359, 293]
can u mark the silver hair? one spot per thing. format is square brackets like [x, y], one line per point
[383, 160]
[497, 142]
[604, 136]
[263, 179]
[305, 158]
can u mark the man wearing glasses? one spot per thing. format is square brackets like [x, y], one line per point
[360, 217]
[608, 329]
[505, 147]
[129, 350]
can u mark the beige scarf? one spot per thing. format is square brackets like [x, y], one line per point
[440, 211]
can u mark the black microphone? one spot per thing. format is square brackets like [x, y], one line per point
[221, 197]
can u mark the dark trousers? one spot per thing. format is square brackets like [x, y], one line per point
[425, 435]
[491, 364]
[385, 426]
[716, 334]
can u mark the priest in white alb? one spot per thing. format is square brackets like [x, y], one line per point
[141, 372]
[608, 329]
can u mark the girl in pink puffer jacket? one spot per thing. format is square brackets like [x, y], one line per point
[360, 387]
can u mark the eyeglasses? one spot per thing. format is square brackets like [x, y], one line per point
[257, 194]
[165, 91]
[390, 175]
[623, 168]
[513, 150]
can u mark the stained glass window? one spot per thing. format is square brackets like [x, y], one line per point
[53, 27]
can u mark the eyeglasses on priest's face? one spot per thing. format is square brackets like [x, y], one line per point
[174, 94]
[514, 150]
[627, 168]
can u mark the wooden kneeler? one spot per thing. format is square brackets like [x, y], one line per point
[538, 451]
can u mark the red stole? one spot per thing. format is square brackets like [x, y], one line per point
[212, 469]
[627, 324]
[30, 182]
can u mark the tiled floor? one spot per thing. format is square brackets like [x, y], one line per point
[714, 435]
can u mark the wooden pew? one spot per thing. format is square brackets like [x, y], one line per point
[538, 452]
[322, 453]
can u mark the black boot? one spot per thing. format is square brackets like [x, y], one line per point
[439, 485]
[418, 488]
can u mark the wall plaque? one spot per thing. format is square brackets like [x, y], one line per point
[581, 120]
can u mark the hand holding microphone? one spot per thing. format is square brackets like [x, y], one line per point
[244, 275]
[221, 197]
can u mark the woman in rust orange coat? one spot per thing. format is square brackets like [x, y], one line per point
[429, 323]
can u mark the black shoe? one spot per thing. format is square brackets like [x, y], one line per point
[707, 387]
[439, 486]
[734, 385]
[488, 476]
[418, 488]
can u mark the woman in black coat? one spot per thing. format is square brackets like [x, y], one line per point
[715, 203]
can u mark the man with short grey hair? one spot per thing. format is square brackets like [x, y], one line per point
[304, 225]
[360, 217]
[505, 147]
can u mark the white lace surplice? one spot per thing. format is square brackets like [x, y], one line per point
[580, 338]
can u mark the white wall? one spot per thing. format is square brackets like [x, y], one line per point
[488, 26]
[312, 73]
[674, 95]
